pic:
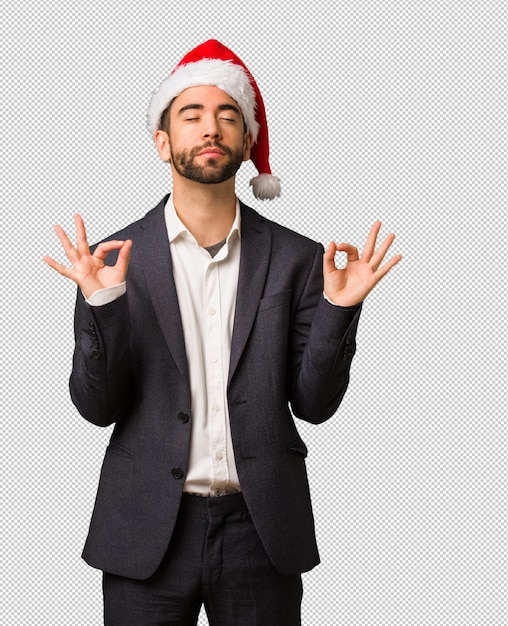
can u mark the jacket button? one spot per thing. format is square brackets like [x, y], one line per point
[183, 418]
[349, 340]
[177, 473]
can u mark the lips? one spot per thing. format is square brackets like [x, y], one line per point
[212, 152]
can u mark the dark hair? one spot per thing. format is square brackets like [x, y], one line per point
[164, 118]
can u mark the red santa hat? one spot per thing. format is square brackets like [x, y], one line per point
[211, 63]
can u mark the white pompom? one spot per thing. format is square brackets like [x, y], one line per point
[265, 186]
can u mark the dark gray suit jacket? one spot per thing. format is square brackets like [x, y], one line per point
[289, 347]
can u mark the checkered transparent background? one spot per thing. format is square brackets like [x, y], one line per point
[376, 110]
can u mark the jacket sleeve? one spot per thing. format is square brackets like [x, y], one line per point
[323, 345]
[99, 382]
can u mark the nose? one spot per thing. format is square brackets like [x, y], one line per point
[211, 128]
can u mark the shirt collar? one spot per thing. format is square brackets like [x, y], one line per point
[177, 228]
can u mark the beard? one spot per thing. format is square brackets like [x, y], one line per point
[210, 172]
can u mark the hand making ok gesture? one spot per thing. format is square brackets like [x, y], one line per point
[350, 285]
[89, 270]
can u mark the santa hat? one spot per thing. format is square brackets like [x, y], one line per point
[211, 63]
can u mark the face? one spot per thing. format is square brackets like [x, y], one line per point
[206, 139]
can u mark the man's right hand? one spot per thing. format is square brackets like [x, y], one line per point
[89, 270]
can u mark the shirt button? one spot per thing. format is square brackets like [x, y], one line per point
[216, 407]
[177, 473]
[219, 456]
[215, 359]
[211, 311]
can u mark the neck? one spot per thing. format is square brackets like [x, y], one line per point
[208, 211]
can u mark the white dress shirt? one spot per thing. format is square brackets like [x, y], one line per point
[206, 289]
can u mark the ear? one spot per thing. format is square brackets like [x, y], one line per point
[161, 139]
[247, 144]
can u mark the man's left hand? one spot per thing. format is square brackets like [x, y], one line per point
[350, 285]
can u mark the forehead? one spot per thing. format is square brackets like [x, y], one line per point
[206, 95]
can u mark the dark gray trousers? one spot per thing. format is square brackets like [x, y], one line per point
[215, 558]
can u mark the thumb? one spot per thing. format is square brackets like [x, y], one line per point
[329, 258]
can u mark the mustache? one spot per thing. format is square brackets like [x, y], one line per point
[211, 144]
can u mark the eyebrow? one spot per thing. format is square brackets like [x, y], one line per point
[221, 107]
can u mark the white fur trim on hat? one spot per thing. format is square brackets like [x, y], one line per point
[265, 186]
[225, 75]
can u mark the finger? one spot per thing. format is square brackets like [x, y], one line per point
[122, 262]
[383, 271]
[329, 262]
[351, 251]
[329, 257]
[68, 272]
[69, 249]
[380, 254]
[102, 250]
[81, 239]
[370, 244]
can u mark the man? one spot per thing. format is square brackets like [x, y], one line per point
[197, 328]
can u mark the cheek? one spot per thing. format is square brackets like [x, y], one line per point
[183, 140]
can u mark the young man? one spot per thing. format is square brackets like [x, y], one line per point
[200, 331]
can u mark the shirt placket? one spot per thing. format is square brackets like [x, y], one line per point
[214, 380]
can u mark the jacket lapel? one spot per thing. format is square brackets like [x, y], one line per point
[158, 272]
[254, 261]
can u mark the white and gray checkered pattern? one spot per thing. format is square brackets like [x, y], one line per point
[376, 110]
